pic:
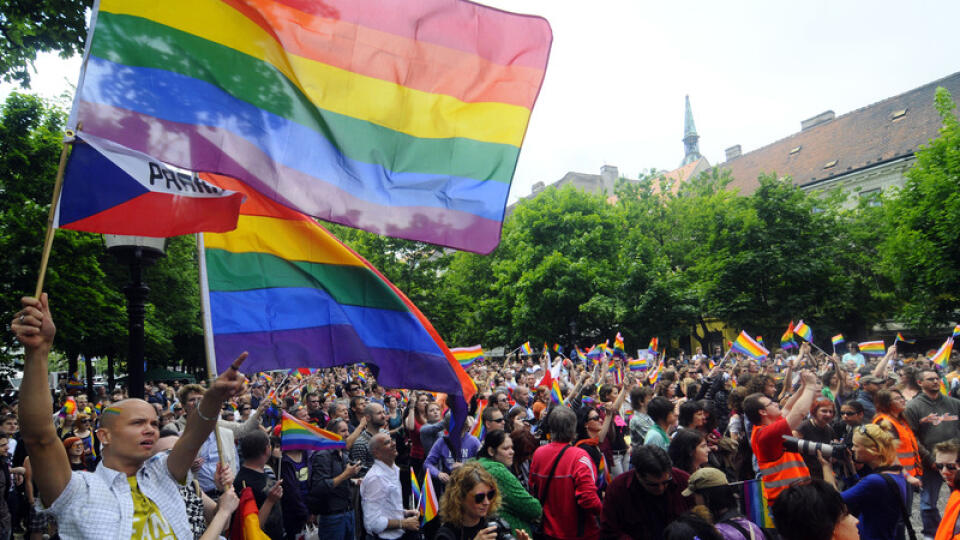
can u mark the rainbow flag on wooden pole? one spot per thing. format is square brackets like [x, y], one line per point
[298, 435]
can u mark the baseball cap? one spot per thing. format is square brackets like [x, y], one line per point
[706, 477]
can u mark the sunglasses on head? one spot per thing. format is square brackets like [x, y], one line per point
[863, 431]
[480, 497]
[949, 466]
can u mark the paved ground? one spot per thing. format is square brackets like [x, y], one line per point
[915, 514]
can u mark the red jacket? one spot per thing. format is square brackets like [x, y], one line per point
[571, 505]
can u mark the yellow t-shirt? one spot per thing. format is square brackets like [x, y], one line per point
[148, 522]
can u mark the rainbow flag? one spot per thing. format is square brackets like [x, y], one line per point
[654, 345]
[266, 377]
[337, 308]
[786, 340]
[603, 478]
[69, 406]
[415, 487]
[526, 348]
[804, 331]
[297, 435]
[556, 397]
[583, 358]
[756, 507]
[362, 376]
[558, 349]
[405, 121]
[618, 349]
[943, 387]
[759, 339]
[595, 353]
[748, 346]
[837, 340]
[872, 348]
[429, 507]
[246, 519]
[637, 364]
[956, 330]
[655, 376]
[942, 356]
[467, 355]
[903, 339]
[478, 429]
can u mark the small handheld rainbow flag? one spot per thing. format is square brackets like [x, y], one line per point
[654, 345]
[873, 348]
[583, 358]
[786, 340]
[942, 355]
[637, 364]
[618, 349]
[558, 349]
[804, 331]
[526, 348]
[655, 376]
[903, 339]
[297, 435]
[415, 487]
[956, 330]
[69, 406]
[748, 346]
[362, 376]
[943, 387]
[759, 339]
[266, 377]
[603, 479]
[467, 355]
[428, 502]
[837, 340]
[555, 395]
[478, 430]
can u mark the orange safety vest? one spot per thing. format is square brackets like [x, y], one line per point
[949, 521]
[781, 473]
[907, 450]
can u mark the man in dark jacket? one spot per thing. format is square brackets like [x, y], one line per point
[640, 503]
[331, 496]
[933, 419]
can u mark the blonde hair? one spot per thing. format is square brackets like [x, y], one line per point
[465, 478]
[878, 442]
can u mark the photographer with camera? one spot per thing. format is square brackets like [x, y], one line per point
[879, 498]
[779, 467]
[468, 504]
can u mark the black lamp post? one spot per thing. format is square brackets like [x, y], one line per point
[137, 252]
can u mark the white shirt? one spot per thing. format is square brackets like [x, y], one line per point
[382, 499]
[99, 504]
[208, 451]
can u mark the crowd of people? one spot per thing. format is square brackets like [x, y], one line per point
[554, 448]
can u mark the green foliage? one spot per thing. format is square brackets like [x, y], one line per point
[922, 252]
[28, 27]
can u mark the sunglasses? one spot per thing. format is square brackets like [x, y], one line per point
[497, 420]
[480, 497]
[949, 466]
[847, 413]
[592, 418]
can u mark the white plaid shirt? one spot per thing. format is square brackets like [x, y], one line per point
[99, 505]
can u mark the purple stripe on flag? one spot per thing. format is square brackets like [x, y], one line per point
[208, 149]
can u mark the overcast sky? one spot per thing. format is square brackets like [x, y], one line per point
[619, 71]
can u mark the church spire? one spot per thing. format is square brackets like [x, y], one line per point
[691, 149]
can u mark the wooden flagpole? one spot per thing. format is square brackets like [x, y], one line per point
[208, 348]
[57, 187]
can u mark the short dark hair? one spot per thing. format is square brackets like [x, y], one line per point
[691, 525]
[605, 391]
[808, 511]
[752, 405]
[356, 399]
[638, 395]
[649, 460]
[488, 412]
[688, 409]
[254, 444]
[857, 406]
[492, 441]
[562, 423]
[659, 408]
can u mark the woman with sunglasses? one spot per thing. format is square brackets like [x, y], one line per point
[517, 507]
[468, 504]
[878, 497]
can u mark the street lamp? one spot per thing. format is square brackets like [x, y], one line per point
[137, 252]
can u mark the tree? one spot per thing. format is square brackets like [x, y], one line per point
[922, 252]
[28, 27]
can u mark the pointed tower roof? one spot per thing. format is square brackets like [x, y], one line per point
[691, 148]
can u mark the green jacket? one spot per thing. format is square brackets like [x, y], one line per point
[517, 506]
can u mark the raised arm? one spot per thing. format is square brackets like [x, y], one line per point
[882, 366]
[34, 329]
[801, 406]
[612, 411]
[227, 385]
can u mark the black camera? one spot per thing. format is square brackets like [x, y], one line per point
[802, 446]
[504, 532]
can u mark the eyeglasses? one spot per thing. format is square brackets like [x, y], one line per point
[848, 413]
[771, 403]
[949, 466]
[480, 497]
[592, 418]
[497, 420]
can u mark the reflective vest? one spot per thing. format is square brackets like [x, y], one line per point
[779, 474]
[949, 521]
[907, 451]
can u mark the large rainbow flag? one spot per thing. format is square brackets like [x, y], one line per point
[404, 119]
[283, 288]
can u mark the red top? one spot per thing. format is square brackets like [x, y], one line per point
[769, 440]
[416, 447]
[572, 502]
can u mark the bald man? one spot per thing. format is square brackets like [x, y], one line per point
[132, 494]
